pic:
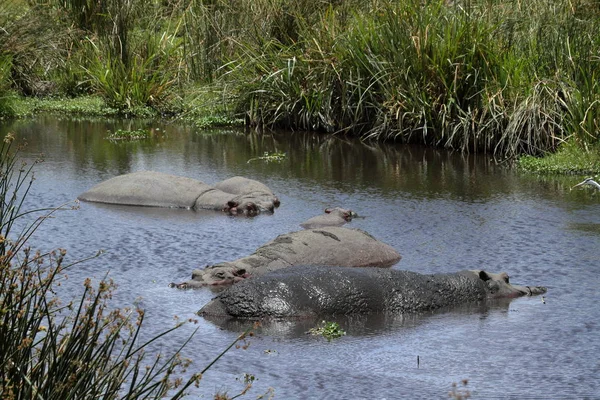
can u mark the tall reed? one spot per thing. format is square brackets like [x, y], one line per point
[503, 77]
[471, 76]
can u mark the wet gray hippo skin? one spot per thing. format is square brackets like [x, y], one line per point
[156, 189]
[305, 292]
[333, 217]
[325, 246]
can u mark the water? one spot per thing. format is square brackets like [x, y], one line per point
[442, 211]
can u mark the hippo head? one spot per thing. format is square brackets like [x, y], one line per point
[499, 286]
[215, 275]
[248, 208]
[346, 214]
[252, 205]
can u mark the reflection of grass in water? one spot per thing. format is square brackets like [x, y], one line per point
[585, 227]
[270, 157]
[122, 134]
[82, 348]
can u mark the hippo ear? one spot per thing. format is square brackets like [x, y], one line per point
[328, 210]
[484, 276]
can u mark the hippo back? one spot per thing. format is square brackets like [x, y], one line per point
[147, 188]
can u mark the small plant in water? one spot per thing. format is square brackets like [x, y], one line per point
[122, 134]
[327, 329]
[270, 157]
[212, 121]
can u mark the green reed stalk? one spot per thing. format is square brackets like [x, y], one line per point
[503, 77]
[474, 77]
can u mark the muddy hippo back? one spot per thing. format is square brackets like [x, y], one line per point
[333, 246]
[311, 291]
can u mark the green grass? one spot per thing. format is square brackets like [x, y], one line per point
[504, 78]
[275, 156]
[328, 329]
[569, 159]
[122, 134]
[83, 105]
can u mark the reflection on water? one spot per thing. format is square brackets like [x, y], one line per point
[442, 211]
[357, 325]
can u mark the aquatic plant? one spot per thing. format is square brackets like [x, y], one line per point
[329, 330]
[569, 159]
[270, 157]
[51, 349]
[123, 134]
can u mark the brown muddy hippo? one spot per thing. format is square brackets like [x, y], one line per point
[333, 217]
[309, 291]
[156, 189]
[325, 246]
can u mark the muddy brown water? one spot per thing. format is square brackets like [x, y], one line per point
[442, 211]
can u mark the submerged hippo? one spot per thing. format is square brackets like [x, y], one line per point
[156, 189]
[304, 292]
[333, 217]
[326, 246]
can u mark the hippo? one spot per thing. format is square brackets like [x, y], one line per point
[333, 217]
[237, 195]
[311, 291]
[325, 246]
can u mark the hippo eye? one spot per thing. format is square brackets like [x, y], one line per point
[506, 279]
[220, 275]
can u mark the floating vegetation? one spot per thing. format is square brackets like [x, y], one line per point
[329, 330]
[213, 121]
[122, 134]
[270, 157]
[569, 159]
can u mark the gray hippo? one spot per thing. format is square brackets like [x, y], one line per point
[333, 217]
[326, 246]
[309, 291]
[156, 189]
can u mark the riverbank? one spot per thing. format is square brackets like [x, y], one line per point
[505, 79]
[570, 158]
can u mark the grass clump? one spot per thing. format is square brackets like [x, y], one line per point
[270, 157]
[82, 348]
[505, 78]
[329, 330]
[123, 134]
[82, 105]
[569, 159]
